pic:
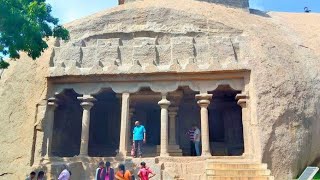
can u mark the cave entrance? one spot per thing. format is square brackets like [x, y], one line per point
[67, 125]
[105, 124]
[225, 123]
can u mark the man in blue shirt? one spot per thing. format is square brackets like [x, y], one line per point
[139, 137]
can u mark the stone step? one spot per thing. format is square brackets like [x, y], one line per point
[240, 178]
[239, 172]
[225, 166]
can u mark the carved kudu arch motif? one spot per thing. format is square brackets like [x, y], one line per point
[160, 87]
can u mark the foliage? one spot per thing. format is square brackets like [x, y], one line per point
[25, 25]
[317, 176]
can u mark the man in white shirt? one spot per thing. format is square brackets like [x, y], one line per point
[197, 140]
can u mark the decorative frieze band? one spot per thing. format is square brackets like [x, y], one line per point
[145, 54]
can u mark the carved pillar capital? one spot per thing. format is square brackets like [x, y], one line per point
[242, 100]
[204, 99]
[87, 101]
[164, 103]
[173, 111]
[52, 103]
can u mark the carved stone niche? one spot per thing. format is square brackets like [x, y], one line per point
[182, 50]
[163, 54]
[107, 51]
[144, 52]
[69, 55]
[222, 50]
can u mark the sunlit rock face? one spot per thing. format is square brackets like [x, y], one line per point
[231, 3]
[281, 52]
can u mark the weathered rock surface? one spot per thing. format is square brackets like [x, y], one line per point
[22, 87]
[232, 3]
[281, 50]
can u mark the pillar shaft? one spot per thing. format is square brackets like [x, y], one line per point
[129, 134]
[164, 104]
[204, 101]
[86, 105]
[52, 105]
[172, 129]
[124, 130]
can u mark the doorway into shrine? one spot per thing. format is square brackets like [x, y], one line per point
[225, 123]
[67, 125]
[145, 109]
[105, 124]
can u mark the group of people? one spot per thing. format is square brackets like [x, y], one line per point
[139, 138]
[64, 175]
[33, 176]
[105, 172]
[194, 137]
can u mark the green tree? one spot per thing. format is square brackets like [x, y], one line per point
[26, 25]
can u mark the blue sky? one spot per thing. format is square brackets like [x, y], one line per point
[68, 10]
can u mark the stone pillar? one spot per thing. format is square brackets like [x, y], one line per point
[172, 126]
[164, 104]
[130, 138]
[204, 101]
[124, 127]
[242, 101]
[86, 105]
[52, 105]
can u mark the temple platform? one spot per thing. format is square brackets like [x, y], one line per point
[168, 168]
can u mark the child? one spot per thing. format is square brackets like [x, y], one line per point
[144, 172]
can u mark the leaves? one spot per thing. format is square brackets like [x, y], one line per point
[24, 26]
